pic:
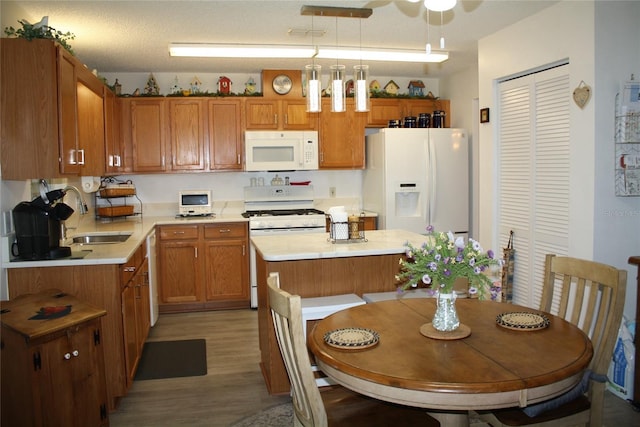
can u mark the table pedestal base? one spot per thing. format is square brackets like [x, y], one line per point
[451, 419]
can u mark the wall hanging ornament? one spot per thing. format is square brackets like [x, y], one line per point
[581, 94]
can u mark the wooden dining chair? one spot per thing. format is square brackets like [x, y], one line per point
[590, 295]
[329, 406]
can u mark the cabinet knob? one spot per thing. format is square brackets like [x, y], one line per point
[67, 356]
[130, 269]
[225, 230]
[75, 353]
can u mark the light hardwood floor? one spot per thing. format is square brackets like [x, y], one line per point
[233, 387]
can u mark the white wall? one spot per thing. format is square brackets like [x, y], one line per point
[462, 90]
[602, 227]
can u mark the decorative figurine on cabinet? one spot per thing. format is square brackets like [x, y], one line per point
[224, 85]
[374, 86]
[416, 88]
[391, 88]
[175, 87]
[250, 86]
[152, 86]
[349, 88]
[195, 85]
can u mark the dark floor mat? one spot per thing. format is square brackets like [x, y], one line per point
[172, 359]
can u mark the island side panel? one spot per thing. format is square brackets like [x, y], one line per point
[97, 285]
[314, 278]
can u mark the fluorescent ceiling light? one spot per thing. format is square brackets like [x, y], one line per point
[291, 51]
[239, 51]
[394, 55]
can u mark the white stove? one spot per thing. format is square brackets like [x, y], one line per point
[279, 210]
[282, 208]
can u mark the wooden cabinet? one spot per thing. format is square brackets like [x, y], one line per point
[180, 272]
[203, 266]
[187, 134]
[225, 134]
[135, 310]
[114, 146]
[102, 286]
[341, 137]
[52, 369]
[225, 262]
[274, 114]
[384, 109]
[52, 112]
[145, 120]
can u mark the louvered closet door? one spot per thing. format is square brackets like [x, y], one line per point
[533, 174]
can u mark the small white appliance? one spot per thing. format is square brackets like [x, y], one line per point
[279, 210]
[281, 150]
[418, 177]
[195, 203]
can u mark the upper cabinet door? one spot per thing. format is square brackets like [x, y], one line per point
[187, 134]
[225, 134]
[148, 131]
[341, 137]
[262, 114]
[68, 137]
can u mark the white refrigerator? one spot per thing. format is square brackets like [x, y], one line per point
[418, 177]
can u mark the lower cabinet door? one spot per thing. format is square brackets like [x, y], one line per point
[225, 270]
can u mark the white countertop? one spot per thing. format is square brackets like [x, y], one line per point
[113, 253]
[316, 245]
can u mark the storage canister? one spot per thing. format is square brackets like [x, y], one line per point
[438, 119]
[410, 122]
[394, 123]
[424, 120]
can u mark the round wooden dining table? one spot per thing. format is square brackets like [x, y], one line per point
[493, 367]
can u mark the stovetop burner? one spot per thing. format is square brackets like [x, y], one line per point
[281, 212]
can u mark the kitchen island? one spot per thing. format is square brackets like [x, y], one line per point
[310, 265]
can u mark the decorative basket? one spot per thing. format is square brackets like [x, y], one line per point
[118, 191]
[111, 211]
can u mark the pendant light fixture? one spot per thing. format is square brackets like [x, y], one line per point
[337, 83]
[313, 82]
[361, 86]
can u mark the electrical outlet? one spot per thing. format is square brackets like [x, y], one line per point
[332, 191]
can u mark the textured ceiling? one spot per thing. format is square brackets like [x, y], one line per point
[133, 36]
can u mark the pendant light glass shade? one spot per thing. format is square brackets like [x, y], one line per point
[337, 89]
[361, 87]
[314, 88]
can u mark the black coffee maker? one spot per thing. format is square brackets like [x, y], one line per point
[37, 225]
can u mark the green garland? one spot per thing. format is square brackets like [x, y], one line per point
[30, 32]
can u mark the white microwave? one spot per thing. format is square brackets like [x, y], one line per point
[195, 202]
[281, 150]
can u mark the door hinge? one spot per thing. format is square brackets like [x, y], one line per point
[96, 337]
[37, 361]
[103, 411]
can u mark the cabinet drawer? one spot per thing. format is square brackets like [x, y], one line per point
[179, 232]
[217, 231]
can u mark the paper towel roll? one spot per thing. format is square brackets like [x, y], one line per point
[90, 184]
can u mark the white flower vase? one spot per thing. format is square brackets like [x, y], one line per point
[446, 317]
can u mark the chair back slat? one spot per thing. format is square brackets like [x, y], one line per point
[286, 310]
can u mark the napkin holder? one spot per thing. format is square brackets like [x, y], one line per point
[346, 228]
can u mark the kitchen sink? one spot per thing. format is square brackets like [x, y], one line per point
[100, 238]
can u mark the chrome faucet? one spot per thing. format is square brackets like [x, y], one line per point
[83, 210]
[83, 205]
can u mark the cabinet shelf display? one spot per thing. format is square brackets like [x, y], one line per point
[627, 141]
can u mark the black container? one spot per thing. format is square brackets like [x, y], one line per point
[424, 120]
[394, 123]
[438, 119]
[410, 122]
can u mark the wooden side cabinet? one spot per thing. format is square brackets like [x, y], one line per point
[52, 368]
